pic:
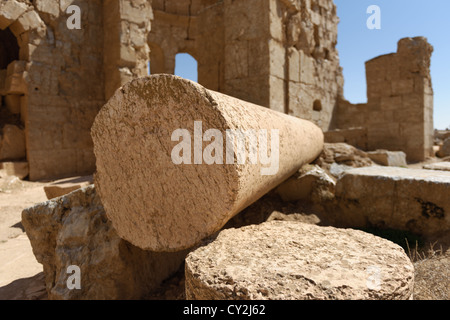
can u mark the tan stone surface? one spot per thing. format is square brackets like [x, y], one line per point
[12, 144]
[284, 260]
[310, 183]
[62, 187]
[74, 230]
[17, 169]
[406, 199]
[278, 54]
[16, 256]
[399, 111]
[169, 206]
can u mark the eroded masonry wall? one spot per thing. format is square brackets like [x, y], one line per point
[64, 76]
[399, 113]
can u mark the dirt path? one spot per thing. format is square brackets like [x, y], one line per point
[17, 260]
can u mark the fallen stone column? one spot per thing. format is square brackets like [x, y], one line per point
[176, 161]
[289, 260]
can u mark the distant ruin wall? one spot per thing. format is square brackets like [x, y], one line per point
[399, 112]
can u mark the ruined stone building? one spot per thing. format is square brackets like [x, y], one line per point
[280, 54]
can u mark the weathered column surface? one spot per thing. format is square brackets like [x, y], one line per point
[167, 172]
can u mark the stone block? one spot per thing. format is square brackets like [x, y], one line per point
[62, 187]
[124, 151]
[414, 200]
[26, 22]
[17, 169]
[444, 150]
[388, 158]
[74, 231]
[10, 11]
[290, 260]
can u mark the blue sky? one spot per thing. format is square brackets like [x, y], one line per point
[399, 19]
[357, 44]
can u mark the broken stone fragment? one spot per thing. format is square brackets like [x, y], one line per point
[388, 158]
[12, 144]
[187, 159]
[73, 232]
[310, 183]
[289, 260]
[342, 154]
[62, 187]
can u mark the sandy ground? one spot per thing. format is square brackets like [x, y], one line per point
[17, 261]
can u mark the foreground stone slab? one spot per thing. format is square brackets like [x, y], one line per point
[288, 260]
[74, 231]
[62, 187]
[407, 199]
[444, 166]
[166, 170]
[388, 158]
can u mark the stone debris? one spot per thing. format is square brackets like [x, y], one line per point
[12, 143]
[338, 157]
[388, 158]
[414, 200]
[173, 203]
[445, 166]
[288, 260]
[74, 231]
[62, 187]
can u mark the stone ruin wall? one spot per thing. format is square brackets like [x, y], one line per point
[399, 113]
[279, 54]
[59, 75]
